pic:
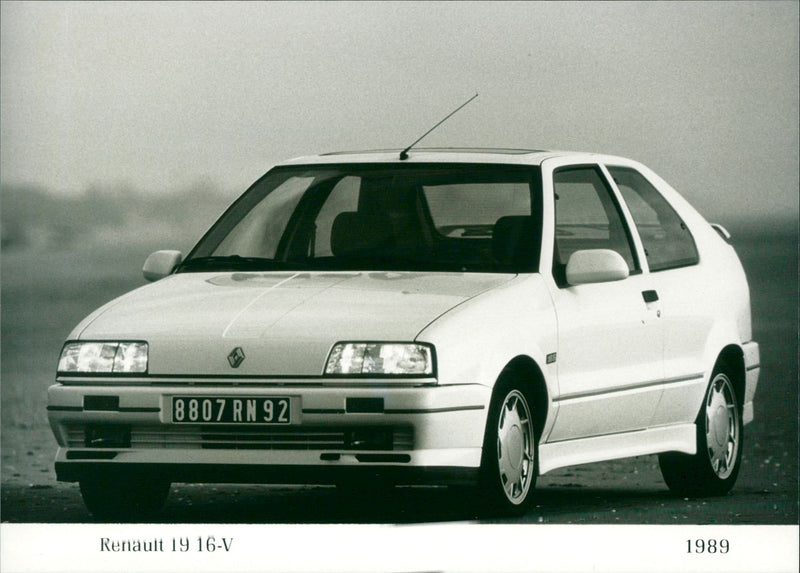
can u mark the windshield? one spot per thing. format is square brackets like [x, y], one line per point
[398, 217]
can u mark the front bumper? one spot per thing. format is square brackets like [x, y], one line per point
[409, 434]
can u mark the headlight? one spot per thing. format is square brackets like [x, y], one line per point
[380, 358]
[108, 357]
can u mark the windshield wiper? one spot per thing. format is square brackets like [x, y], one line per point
[235, 262]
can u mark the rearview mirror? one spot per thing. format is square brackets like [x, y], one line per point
[160, 264]
[596, 266]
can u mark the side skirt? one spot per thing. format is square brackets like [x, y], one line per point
[678, 438]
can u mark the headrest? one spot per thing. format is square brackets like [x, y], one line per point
[360, 234]
[515, 242]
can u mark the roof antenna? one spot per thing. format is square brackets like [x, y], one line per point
[404, 153]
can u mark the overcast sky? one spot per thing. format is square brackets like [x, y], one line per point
[161, 96]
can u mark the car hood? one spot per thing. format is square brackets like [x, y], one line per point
[285, 323]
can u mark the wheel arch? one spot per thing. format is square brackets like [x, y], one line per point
[525, 371]
[731, 358]
[723, 348]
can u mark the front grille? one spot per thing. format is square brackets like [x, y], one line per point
[380, 438]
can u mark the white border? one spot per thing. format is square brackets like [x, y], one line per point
[464, 547]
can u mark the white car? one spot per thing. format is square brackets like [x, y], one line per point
[475, 317]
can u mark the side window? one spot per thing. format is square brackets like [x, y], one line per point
[587, 217]
[668, 244]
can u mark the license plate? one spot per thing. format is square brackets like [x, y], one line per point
[231, 410]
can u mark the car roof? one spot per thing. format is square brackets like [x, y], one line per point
[439, 155]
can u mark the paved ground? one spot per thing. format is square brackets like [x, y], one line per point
[624, 491]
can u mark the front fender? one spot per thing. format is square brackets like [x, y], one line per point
[476, 340]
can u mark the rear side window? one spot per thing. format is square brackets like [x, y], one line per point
[668, 244]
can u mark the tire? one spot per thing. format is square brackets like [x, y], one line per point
[120, 497]
[509, 462]
[714, 468]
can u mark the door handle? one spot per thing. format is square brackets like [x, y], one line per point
[649, 295]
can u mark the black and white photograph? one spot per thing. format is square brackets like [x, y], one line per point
[399, 286]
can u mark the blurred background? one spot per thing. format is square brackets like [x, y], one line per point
[128, 127]
[115, 114]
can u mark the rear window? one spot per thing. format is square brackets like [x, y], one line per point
[471, 209]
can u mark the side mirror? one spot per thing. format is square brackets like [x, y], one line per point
[160, 264]
[596, 266]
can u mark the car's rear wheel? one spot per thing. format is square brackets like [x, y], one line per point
[120, 497]
[714, 468]
[509, 462]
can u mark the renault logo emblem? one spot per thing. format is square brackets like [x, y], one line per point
[236, 357]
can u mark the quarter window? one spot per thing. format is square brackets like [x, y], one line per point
[587, 217]
[667, 242]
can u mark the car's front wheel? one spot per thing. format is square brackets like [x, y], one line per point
[715, 466]
[119, 497]
[509, 463]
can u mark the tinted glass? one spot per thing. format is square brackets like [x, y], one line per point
[587, 217]
[667, 241]
[465, 218]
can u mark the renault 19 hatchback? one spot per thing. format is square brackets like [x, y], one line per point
[472, 317]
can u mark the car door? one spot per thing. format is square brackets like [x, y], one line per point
[687, 296]
[609, 358]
